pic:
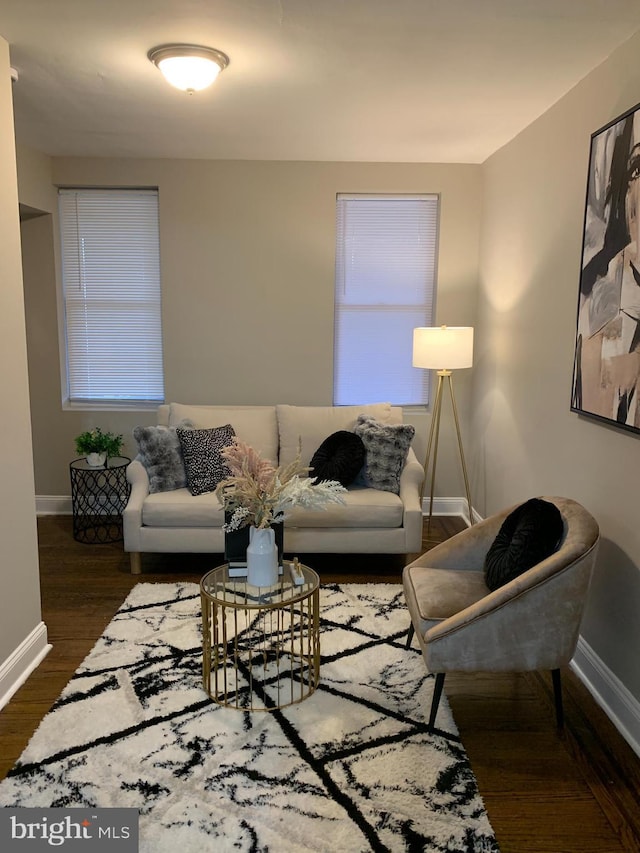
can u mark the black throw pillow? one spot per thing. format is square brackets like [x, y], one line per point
[530, 534]
[340, 457]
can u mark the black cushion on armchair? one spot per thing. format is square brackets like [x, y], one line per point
[529, 534]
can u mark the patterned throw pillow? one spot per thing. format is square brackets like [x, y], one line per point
[528, 535]
[340, 457]
[202, 461]
[160, 453]
[387, 446]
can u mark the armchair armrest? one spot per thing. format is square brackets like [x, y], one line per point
[466, 550]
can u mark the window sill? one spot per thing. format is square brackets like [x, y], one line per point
[95, 406]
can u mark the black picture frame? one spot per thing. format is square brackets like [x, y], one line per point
[606, 370]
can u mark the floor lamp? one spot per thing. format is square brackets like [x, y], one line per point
[443, 348]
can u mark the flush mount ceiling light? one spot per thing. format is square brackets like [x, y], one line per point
[189, 67]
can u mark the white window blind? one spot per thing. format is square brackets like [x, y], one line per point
[385, 278]
[112, 298]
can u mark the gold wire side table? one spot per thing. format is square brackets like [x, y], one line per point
[261, 645]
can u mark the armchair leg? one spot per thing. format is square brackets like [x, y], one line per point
[557, 694]
[410, 634]
[437, 693]
[136, 562]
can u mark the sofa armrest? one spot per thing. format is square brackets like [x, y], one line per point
[410, 484]
[411, 481]
[132, 515]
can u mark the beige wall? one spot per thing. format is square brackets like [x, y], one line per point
[247, 260]
[20, 614]
[526, 441]
[51, 449]
[35, 186]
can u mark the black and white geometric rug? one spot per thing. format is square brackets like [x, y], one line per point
[352, 768]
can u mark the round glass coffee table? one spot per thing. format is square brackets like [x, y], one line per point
[261, 645]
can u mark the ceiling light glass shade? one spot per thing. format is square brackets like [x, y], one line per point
[188, 67]
[443, 347]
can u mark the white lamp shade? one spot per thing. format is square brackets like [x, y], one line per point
[443, 347]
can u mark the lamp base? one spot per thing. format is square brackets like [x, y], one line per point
[434, 435]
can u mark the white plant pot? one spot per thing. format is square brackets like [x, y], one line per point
[96, 460]
[262, 557]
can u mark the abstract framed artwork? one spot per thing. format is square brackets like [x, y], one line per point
[606, 373]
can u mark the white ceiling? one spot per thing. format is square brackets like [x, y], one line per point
[368, 80]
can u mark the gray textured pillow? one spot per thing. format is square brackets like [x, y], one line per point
[160, 453]
[203, 463]
[387, 446]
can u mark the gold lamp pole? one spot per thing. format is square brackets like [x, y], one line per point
[443, 348]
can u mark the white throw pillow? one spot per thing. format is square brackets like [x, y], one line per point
[312, 424]
[256, 425]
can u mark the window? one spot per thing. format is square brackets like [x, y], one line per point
[111, 295]
[385, 279]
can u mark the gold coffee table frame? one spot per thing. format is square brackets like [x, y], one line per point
[261, 645]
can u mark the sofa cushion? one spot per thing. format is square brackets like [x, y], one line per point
[256, 425]
[340, 457]
[387, 447]
[528, 535]
[160, 452]
[203, 463]
[363, 507]
[179, 508]
[312, 424]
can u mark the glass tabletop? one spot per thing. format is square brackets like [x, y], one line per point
[112, 462]
[236, 592]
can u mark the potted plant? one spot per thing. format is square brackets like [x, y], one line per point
[97, 446]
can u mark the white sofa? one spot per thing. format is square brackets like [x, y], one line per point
[370, 521]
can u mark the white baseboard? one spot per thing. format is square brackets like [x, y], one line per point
[450, 506]
[53, 504]
[61, 505]
[616, 701]
[15, 670]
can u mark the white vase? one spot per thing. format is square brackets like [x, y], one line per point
[262, 557]
[96, 460]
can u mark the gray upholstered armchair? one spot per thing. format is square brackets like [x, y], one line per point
[530, 623]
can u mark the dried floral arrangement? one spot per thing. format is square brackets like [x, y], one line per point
[259, 494]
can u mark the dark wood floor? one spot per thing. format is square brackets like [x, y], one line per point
[545, 792]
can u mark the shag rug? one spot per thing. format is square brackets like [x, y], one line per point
[351, 768]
